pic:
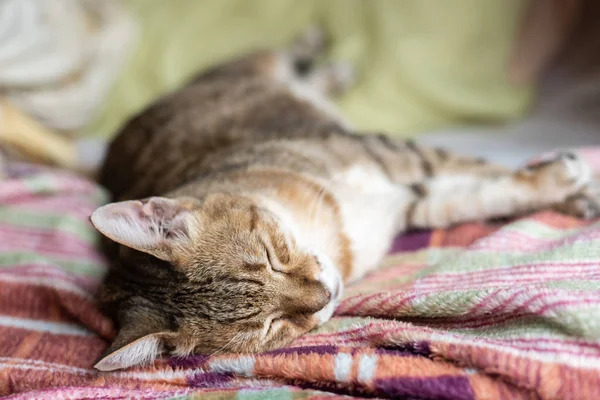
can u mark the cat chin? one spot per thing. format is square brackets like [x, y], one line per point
[331, 278]
[325, 314]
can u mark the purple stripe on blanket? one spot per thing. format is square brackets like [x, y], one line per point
[304, 350]
[439, 388]
[334, 388]
[209, 380]
[188, 362]
[418, 348]
[402, 351]
[411, 241]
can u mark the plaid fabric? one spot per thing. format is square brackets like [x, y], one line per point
[480, 311]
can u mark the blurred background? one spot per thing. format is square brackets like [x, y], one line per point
[501, 79]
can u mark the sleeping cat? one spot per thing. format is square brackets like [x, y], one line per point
[244, 203]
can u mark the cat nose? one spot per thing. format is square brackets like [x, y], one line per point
[308, 299]
[322, 298]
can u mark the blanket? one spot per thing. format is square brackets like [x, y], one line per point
[479, 311]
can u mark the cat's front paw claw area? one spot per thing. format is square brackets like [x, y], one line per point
[588, 208]
[585, 205]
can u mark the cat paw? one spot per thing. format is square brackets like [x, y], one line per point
[563, 176]
[584, 205]
[576, 171]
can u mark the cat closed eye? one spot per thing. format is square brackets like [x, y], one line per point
[255, 266]
[273, 262]
[274, 325]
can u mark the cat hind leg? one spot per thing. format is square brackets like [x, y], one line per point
[327, 79]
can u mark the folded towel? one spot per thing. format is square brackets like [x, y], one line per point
[479, 311]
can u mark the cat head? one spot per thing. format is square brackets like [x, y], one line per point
[218, 275]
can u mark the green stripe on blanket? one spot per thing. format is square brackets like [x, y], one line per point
[480, 311]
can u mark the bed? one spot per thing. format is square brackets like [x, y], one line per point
[479, 311]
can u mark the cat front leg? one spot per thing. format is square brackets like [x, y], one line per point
[585, 205]
[444, 201]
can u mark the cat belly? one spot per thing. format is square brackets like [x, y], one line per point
[371, 206]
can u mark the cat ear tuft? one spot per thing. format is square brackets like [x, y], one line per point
[153, 226]
[142, 351]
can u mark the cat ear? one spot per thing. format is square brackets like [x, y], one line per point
[155, 226]
[127, 351]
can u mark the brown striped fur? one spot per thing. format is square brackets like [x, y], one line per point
[243, 202]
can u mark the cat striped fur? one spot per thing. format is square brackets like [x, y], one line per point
[243, 203]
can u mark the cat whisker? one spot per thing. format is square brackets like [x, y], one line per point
[236, 336]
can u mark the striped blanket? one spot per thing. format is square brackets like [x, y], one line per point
[480, 311]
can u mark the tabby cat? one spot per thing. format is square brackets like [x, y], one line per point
[244, 203]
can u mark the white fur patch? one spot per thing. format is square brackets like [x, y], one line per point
[286, 220]
[370, 205]
[313, 240]
[579, 170]
[307, 230]
[367, 178]
[330, 277]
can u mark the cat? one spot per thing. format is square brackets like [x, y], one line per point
[244, 203]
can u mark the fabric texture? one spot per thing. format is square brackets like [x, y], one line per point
[479, 311]
[420, 65]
